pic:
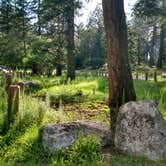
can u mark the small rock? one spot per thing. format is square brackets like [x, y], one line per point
[141, 130]
[58, 136]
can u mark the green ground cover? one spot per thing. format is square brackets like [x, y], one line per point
[58, 100]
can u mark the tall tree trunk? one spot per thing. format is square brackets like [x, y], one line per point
[152, 49]
[139, 51]
[120, 79]
[70, 42]
[39, 17]
[58, 70]
[24, 32]
[161, 51]
[59, 52]
[24, 42]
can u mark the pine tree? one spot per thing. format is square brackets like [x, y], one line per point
[121, 88]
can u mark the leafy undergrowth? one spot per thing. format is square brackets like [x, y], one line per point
[77, 100]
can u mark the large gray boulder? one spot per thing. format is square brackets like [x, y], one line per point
[58, 136]
[141, 130]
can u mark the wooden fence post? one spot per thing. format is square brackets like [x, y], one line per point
[18, 74]
[21, 85]
[137, 75]
[13, 103]
[146, 76]
[155, 76]
[24, 74]
[21, 74]
[8, 81]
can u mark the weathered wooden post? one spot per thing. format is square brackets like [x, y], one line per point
[96, 73]
[13, 103]
[24, 74]
[102, 73]
[146, 76]
[105, 74]
[14, 73]
[21, 74]
[8, 81]
[99, 73]
[21, 85]
[18, 74]
[137, 75]
[155, 76]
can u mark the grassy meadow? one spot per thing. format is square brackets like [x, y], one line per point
[58, 100]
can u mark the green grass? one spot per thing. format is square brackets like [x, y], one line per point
[22, 145]
[151, 90]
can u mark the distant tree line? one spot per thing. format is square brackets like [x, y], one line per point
[147, 33]
[41, 35]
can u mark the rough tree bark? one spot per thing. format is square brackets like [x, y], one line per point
[59, 52]
[161, 51]
[58, 70]
[152, 49]
[39, 16]
[70, 41]
[121, 87]
[139, 52]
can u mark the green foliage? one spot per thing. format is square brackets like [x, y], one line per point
[85, 152]
[14, 24]
[148, 18]
[66, 97]
[86, 149]
[91, 54]
[103, 85]
[130, 161]
[148, 8]
[74, 92]
[40, 59]
[3, 108]
[3, 103]
[154, 91]
[22, 145]
[31, 112]
[10, 48]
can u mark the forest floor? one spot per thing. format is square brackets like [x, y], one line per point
[60, 101]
